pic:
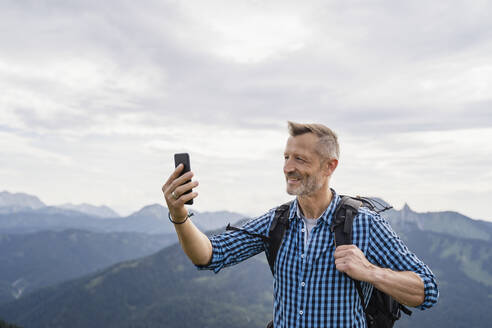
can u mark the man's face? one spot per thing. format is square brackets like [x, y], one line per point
[302, 165]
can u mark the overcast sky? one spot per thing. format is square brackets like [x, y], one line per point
[96, 96]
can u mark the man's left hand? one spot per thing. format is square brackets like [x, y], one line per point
[351, 260]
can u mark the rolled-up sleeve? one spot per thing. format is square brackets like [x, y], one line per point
[232, 247]
[388, 250]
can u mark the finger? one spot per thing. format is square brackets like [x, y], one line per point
[175, 174]
[180, 180]
[180, 186]
[339, 261]
[339, 253]
[171, 178]
[340, 266]
[342, 247]
[186, 197]
[184, 188]
[346, 248]
[347, 252]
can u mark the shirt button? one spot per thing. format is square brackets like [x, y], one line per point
[301, 312]
[302, 256]
[303, 230]
[303, 284]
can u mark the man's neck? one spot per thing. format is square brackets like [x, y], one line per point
[312, 206]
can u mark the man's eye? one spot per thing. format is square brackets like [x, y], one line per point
[300, 159]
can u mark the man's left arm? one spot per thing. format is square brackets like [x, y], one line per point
[404, 286]
[398, 272]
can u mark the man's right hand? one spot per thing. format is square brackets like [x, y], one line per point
[195, 243]
[174, 193]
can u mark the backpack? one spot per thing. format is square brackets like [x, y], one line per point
[382, 310]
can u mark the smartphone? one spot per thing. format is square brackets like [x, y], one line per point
[184, 158]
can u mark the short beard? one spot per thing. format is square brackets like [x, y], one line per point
[309, 186]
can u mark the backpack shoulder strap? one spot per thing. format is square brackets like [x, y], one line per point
[343, 219]
[279, 225]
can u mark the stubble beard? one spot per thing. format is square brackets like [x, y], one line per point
[308, 184]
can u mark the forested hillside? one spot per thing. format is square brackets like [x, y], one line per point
[165, 290]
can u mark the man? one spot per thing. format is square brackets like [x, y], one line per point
[312, 287]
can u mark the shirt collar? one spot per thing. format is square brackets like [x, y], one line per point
[327, 215]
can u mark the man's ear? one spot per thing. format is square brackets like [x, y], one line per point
[329, 166]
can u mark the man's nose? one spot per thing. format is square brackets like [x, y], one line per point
[288, 167]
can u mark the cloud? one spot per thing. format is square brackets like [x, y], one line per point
[229, 63]
[105, 83]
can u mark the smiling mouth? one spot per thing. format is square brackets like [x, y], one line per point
[293, 180]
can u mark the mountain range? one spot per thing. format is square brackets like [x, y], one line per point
[22, 213]
[15, 202]
[165, 290]
[43, 245]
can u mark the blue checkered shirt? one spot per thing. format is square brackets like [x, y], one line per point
[309, 291]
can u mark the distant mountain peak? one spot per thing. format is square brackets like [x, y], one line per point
[19, 201]
[406, 208]
[156, 211]
[102, 211]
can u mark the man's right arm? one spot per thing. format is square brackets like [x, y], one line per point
[221, 250]
[195, 244]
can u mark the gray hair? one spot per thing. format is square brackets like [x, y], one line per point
[327, 147]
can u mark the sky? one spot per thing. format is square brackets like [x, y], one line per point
[97, 96]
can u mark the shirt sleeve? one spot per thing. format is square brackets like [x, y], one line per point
[389, 251]
[232, 247]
